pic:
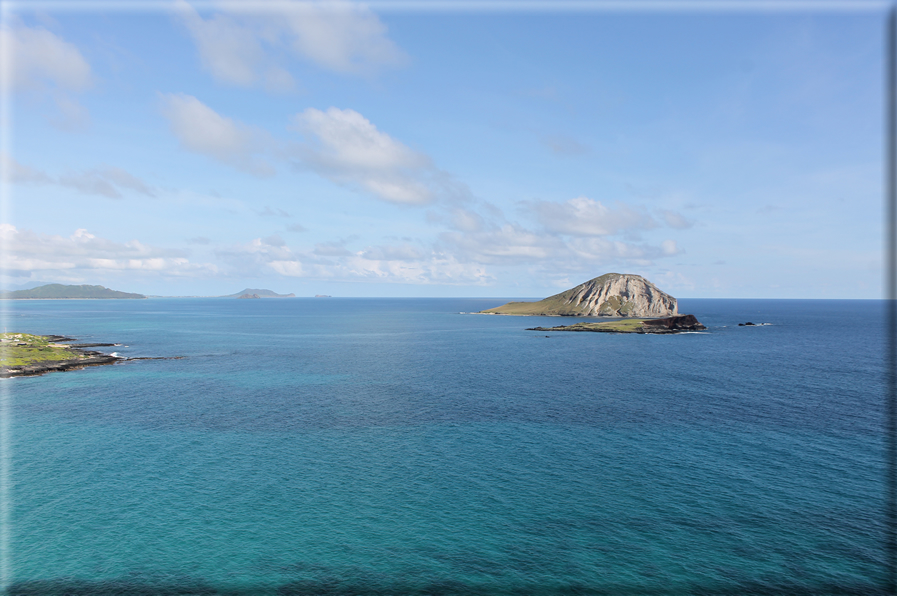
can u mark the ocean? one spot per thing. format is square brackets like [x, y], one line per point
[398, 447]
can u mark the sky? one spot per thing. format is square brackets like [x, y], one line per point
[403, 150]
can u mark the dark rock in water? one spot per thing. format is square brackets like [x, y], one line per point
[748, 324]
[58, 338]
[675, 323]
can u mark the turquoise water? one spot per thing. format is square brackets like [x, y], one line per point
[395, 446]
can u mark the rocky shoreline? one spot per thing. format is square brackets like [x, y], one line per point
[665, 325]
[33, 370]
[46, 349]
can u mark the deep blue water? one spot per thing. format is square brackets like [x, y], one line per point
[395, 446]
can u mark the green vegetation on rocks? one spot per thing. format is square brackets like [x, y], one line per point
[23, 349]
[24, 354]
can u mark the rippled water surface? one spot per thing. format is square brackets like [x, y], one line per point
[395, 446]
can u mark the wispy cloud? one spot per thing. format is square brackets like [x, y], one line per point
[246, 46]
[676, 220]
[347, 148]
[30, 251]
[106, 181]
[569, 236]
[404, 263]
[202, 130]
[40, 60]
[35, 60]
[269, 212]
[586, 217]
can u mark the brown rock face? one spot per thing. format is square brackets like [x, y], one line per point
[615, 295]
[677, 323]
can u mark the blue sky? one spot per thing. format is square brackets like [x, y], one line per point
[334, 148]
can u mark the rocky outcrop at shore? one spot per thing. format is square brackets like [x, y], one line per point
[673, 324]
[39, 368]
[27, 355]
[676, 324]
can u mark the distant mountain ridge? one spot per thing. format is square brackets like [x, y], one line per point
[66, 292]
[260, 293]
[610, 295]
[25, 286]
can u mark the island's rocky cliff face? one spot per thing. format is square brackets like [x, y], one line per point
[611, 295]
[618, 295]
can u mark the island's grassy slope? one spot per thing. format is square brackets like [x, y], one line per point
[261, 294]
[64, 292]
[24, 349]
[621, 326]
[674, 324]
[563, 304]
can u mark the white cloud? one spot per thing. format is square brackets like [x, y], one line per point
[340, 145]
[200, 129]
[345, 147]
[435, 268]
[90, 183]
[27, 251]
[507, 244]
[123, 179]
[404, 252]
[107, 181]
[332, 261]
[230, 51]
[510, 244]
[13, 171]
[250, 258]
[72, 116]
[341, 36]
[332, 249]
[573, 237]
[247, 46]
[604, 250]
[37, 61]
[676, 220]
[466, 220]
[670, 247]
[586, 217]
[37, 58]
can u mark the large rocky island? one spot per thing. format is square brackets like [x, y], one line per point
[636, 304]
[256, 293]
[611, 295]
[67, 292]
